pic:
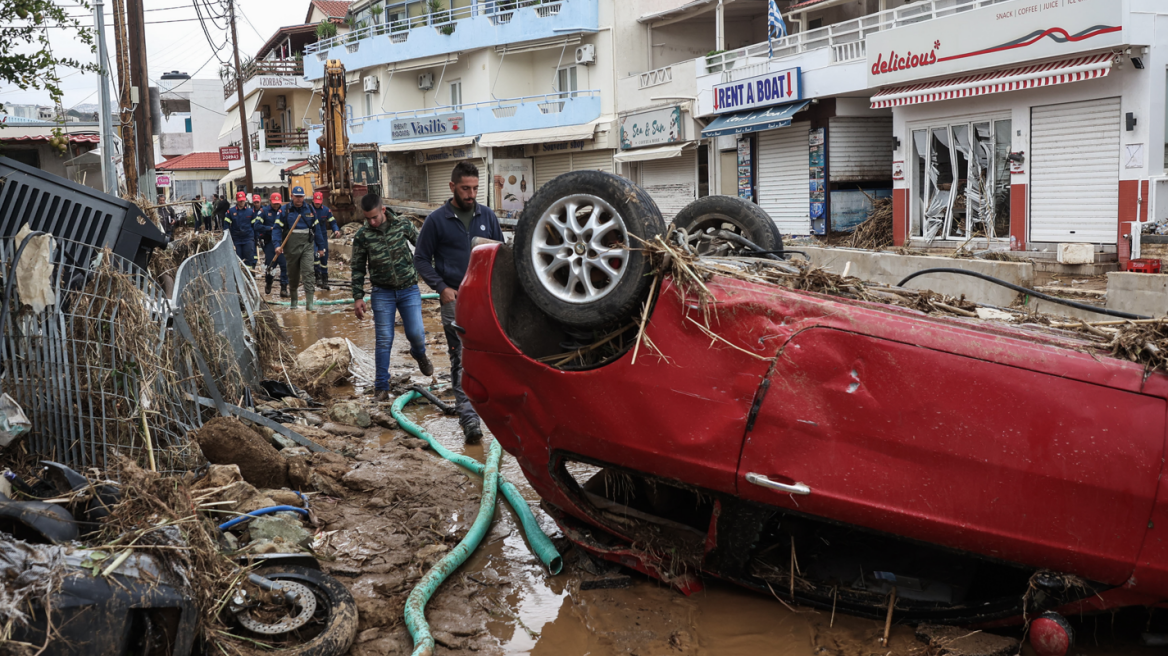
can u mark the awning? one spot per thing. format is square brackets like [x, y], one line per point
[426, 144]
[541, 135]
[231, 122]
[657, 152]
[263, 174]
[1013, 79]
[768, 118]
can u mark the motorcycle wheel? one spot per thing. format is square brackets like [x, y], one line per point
[333, 626]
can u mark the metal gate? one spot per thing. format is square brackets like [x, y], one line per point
[783, 189]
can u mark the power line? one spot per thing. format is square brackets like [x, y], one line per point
[253, 27]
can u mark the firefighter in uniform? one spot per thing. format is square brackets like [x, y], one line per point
[240, 221]
[271, 260]
[328, 223]
[304, 240]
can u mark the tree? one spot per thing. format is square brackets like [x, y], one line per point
[26, 56]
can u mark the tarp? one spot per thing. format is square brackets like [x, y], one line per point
[657, 152]
[756, 120]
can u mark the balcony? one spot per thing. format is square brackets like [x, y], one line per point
[452, 30]
[504, 115]
[294, 140]
[675, 82]
[276, 68]
[847, 40]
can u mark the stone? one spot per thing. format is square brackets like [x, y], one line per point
[299, 473]
[284, 497]
[218, 476]
[283, 525]
[280, 441]
[326, 362]
[364, 479]
[295, 451]
[343, 430]
[350, 413]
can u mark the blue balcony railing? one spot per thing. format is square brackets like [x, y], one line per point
[503, 115]
[451, 30]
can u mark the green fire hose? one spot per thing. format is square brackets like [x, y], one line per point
[540, 543]
[416, 602]
[340, 301]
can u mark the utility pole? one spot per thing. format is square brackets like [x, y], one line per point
[246, 140]
[126, 102]
[109, 176]
[139, 77]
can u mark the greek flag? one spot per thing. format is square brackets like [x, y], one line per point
[776, 28]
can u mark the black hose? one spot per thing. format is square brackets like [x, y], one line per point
[12, 275]
[1024, 290]
[429, 396]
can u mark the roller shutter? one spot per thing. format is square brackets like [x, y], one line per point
[550, 166]
[783, 188]
[592, 160]
[438, 181]
[672, 182]
[1074, 171]
[860, 149]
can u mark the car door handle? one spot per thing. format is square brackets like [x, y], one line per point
[763, 481]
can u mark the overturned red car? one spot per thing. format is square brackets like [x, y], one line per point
[820, 448]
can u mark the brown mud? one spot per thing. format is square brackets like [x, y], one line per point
[403, 506]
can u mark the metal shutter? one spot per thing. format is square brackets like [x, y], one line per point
[593, 160]
[438, 181]
[549, 167]
[860, 149]
[1074, 171]
[783, 188]
[672, 182]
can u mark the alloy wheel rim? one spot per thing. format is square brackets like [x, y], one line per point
[580, 248]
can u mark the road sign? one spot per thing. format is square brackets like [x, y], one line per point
[229, 153]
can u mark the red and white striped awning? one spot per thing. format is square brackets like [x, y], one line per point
[1027, 77]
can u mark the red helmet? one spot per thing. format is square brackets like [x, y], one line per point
[241, 196]
[255, 198]
[276, 200]
[318, 197]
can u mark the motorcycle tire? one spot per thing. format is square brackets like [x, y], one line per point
[335, 606]
[578, 248]
[736, 215]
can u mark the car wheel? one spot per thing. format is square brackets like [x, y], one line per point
[705, 217]
[577, 248]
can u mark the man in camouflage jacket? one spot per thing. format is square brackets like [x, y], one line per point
[381, 246]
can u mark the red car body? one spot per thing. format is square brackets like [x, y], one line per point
[1011, 445]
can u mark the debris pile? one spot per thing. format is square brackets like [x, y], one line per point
[875, 232]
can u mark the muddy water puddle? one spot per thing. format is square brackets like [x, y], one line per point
[545, 615]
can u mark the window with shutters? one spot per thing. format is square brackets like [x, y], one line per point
[961, 181]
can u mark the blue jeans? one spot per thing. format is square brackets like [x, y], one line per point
[408, 303]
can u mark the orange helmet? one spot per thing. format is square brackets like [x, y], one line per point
[276, 200]
[255, 198]
[318, 197]
[241, 196]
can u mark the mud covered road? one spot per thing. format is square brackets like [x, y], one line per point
[502, 601]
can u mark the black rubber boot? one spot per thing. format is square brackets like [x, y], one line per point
[283, 291]
[268, 284]
[323, 280]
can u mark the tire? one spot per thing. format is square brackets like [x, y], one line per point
[551, 251]
[336, 613]
[712, 213]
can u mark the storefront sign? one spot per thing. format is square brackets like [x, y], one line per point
[269, 81]
[898, 170]
[432, 126]
[161, 180]
[758, 91]
[278, 159]
[995, 35]
[444, 154]
[229, 154]
[557, 147]
[660, 126]
[514, 184]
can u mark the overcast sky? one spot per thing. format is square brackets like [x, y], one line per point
[170, 46]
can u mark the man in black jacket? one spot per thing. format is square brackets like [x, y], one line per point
[442, 256]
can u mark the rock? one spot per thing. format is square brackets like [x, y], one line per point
[231, 540]
[326, 485]
[299, 473]
[309, 432]
[956, 641]
[293, 402]
[295, 451]
[364, 479]
[325, 362]
[382, 419]
[342, 430]
[226, 441]
[412, 443]
[350, 413]
[312, 419]
[246, 497]
[330, 464]
[281, 441]
[278, 545]
[448, 640]
[218, 476]
[283, 525]
[284, 497]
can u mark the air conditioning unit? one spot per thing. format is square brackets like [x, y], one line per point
[426, 81]
[281, 102]
[586, 54]
[370, 83]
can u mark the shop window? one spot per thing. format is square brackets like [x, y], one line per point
[961, 181]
